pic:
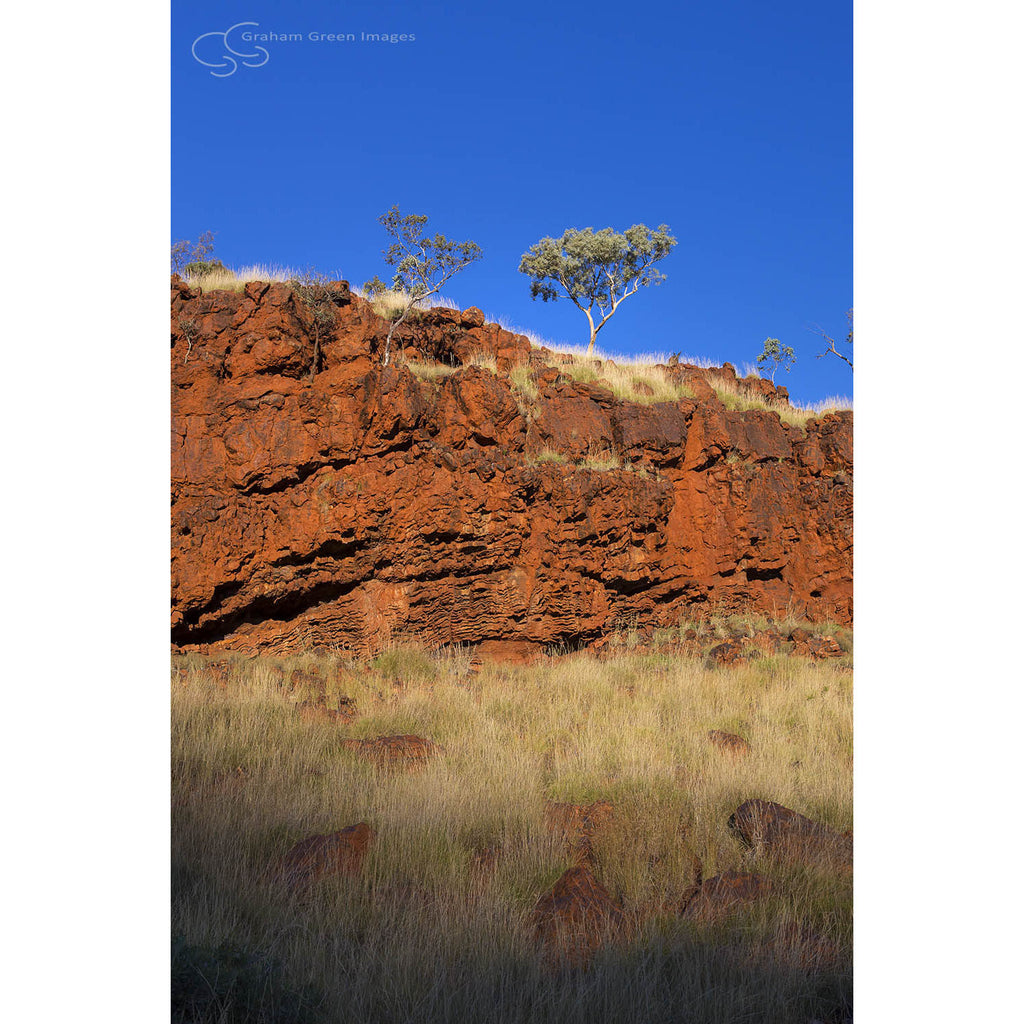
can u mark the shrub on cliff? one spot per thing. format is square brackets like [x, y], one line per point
[185, 254]
[374, 287]
[201, 268]
[422, 264]
[596, 269]
[316, 292]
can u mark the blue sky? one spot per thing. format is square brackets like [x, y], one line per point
[729, 121]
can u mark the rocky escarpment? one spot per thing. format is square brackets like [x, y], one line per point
[321, 499]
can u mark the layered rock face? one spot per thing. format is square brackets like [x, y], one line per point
[320, 499]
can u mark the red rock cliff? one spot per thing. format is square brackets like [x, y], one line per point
[348, 506]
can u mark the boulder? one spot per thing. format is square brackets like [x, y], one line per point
[320, 711]
[510, 652]
[771, 828]
[576, 918]
[729, 742]
[318, 857]
[723, 895]
[728, 654]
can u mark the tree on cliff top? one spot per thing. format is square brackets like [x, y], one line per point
[186, 254]
[422, 264]
[775, 356]
[597, 268]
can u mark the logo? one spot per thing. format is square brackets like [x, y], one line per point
[222, 50]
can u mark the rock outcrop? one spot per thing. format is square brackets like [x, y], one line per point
[322, 499]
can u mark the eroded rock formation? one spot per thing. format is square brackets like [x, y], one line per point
[320, 499]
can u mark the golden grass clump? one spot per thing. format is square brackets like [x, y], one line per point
[437, 371]
[524, 390]
[484, 361]
[644, 379]
[580, 352]
[546, 455]
[636, 379]
[422, 933]
[391, 303]
[734, 396]
[430, 371]
[601, 461]
[226, 279]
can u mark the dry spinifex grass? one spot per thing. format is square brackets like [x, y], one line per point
[425, 934]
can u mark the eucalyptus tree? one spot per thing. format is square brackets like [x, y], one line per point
[775, 356]
[597, 270]
[422, 264]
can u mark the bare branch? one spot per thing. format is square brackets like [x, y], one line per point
[831, 343]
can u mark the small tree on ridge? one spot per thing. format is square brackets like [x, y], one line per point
[184, 253]
[422, 265]
[596, 268]
[776, 356]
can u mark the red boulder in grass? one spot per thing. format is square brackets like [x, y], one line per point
[720, 896]
[576, 917]
[337, 853]
[778, 830]
[729, 742]
[728, 654]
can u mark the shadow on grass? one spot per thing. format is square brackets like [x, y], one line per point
[357, 950]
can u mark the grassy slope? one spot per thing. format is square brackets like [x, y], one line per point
[420, 936]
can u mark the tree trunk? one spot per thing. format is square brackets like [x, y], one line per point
[316, 356]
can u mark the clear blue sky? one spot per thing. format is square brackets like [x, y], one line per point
[729, 121]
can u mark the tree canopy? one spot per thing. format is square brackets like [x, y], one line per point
[775, 356]
[596, 269]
